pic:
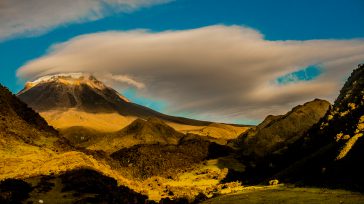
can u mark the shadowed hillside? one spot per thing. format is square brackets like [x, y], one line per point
[76, 186]
[277, 132]
[329, 152]
[168, 160]
[335, 145]
[15, 114]
[20, 125]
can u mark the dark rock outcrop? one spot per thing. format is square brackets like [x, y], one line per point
[275, 133]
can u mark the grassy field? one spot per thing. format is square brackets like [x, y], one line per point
[286, 195]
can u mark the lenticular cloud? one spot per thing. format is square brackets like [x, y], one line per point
[220, 72]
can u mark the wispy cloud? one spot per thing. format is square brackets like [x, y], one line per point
[125, 79]
[32, 17]
[225, 72]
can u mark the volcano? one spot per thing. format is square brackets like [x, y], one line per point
[81, 100]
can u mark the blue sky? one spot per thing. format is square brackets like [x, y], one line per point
[276, 20]
[306, 74]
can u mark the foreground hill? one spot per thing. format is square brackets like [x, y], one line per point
[25, 137]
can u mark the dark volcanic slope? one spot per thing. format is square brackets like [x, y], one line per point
[87, 94]
[276, 132]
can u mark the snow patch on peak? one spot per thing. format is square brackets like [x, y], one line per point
[70, 79]
[49, 78]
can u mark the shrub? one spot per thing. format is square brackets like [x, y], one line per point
[273, 182]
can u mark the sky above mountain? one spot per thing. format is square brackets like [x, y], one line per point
[231, 61]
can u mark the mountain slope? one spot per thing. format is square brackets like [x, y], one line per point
[276, 132]
[85, 93]
[79, 91]
[20, 123]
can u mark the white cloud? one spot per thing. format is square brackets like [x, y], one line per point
[225, 72]
[31, 17]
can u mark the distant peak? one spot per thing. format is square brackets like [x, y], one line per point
[71, 86]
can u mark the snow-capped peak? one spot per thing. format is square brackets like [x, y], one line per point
[49, 78]
[70, 79]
